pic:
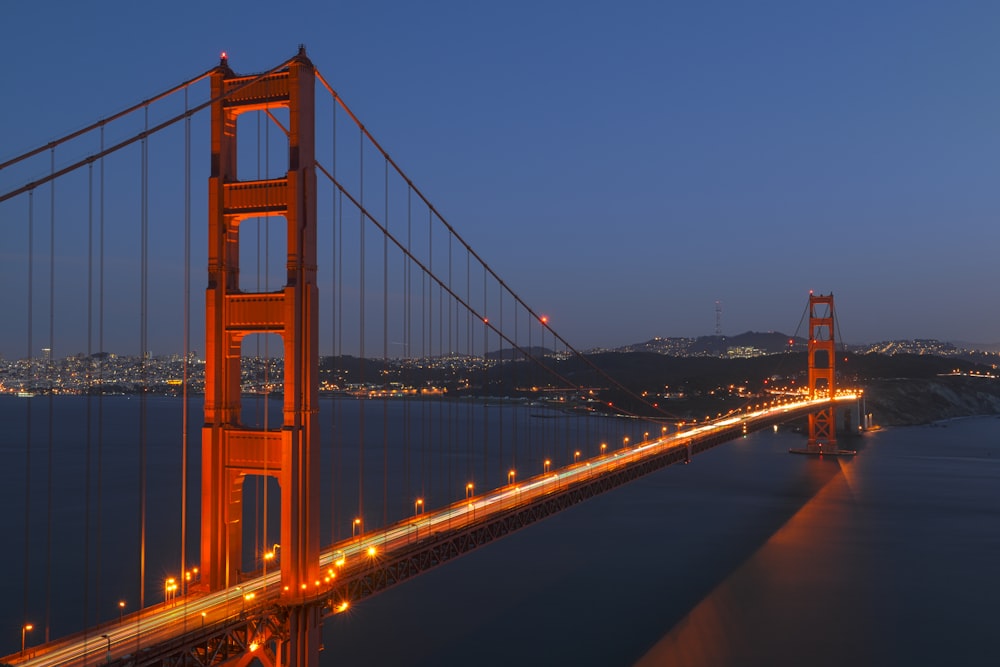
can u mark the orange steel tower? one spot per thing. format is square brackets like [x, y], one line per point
[230, 450]
[822, 427]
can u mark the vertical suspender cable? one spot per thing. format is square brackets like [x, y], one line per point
[334, 449]
[143, 351]
[267, 340]
[187, 340]
[486, 380]
[407, 379]
[450, 351]
[469, 357]
[48, 372]
[89, 378]
[258, 398]
[27, 425]
[100, 377]
[385, 358]
[361, 342]
[339, 350]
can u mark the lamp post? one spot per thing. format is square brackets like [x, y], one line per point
[576, 456]
[356, 528]
[625, 442]
[108, 654]
[545, 465]
[604, 447]
[468, 490]
[169, 589]
[418, 506]
[510, 476]
[26, 628]
[121, 611]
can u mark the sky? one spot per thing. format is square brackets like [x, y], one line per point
[623, 166]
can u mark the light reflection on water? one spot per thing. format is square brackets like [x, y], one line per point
[749, 556]
[892, 561]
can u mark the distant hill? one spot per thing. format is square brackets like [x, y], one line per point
[749, 343]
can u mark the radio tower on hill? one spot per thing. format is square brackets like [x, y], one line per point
[718, 318]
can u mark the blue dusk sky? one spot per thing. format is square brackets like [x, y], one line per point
[622, 165]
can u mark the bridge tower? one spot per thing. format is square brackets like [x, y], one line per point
[230, 450]
[822, 362]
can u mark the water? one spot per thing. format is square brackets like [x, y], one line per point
[748, 556]
[412, 449]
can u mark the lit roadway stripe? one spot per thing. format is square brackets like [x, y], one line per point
[171, 619]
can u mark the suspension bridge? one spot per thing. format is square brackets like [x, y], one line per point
[374, 399]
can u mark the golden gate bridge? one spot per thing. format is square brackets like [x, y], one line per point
[319, 246]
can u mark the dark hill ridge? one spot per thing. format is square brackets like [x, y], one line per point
[908, 401]
[769, 342]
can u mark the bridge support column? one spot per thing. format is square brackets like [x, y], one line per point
[232, 451]
[305, 629]
[822, 377]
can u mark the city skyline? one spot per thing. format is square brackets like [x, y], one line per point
[618, 168]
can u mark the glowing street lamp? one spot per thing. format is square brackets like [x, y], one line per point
[356, 528]
[169, 589]
[545, 465]
[273, 553]
[576, 456]
[26, 628]
[203, 620]
[625, 442]
[604, 447]
[645, 436]
[418, 506]
[468, 490]
[510, 476]
[121, 611]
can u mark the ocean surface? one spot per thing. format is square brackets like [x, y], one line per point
[747, 556]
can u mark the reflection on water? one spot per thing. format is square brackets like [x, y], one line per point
[748, 556]
[892, 561]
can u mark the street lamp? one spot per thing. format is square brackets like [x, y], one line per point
[625, 442]
[510, 477]
[26, 628]
[545, 465]
[356, 528]
[576, 456]
[121, 611]
[604, 446]
[108, 656]
[273, 553]
[418, 506]
[468, 490]
[202, 620]
[645, 436]
[169, 589]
